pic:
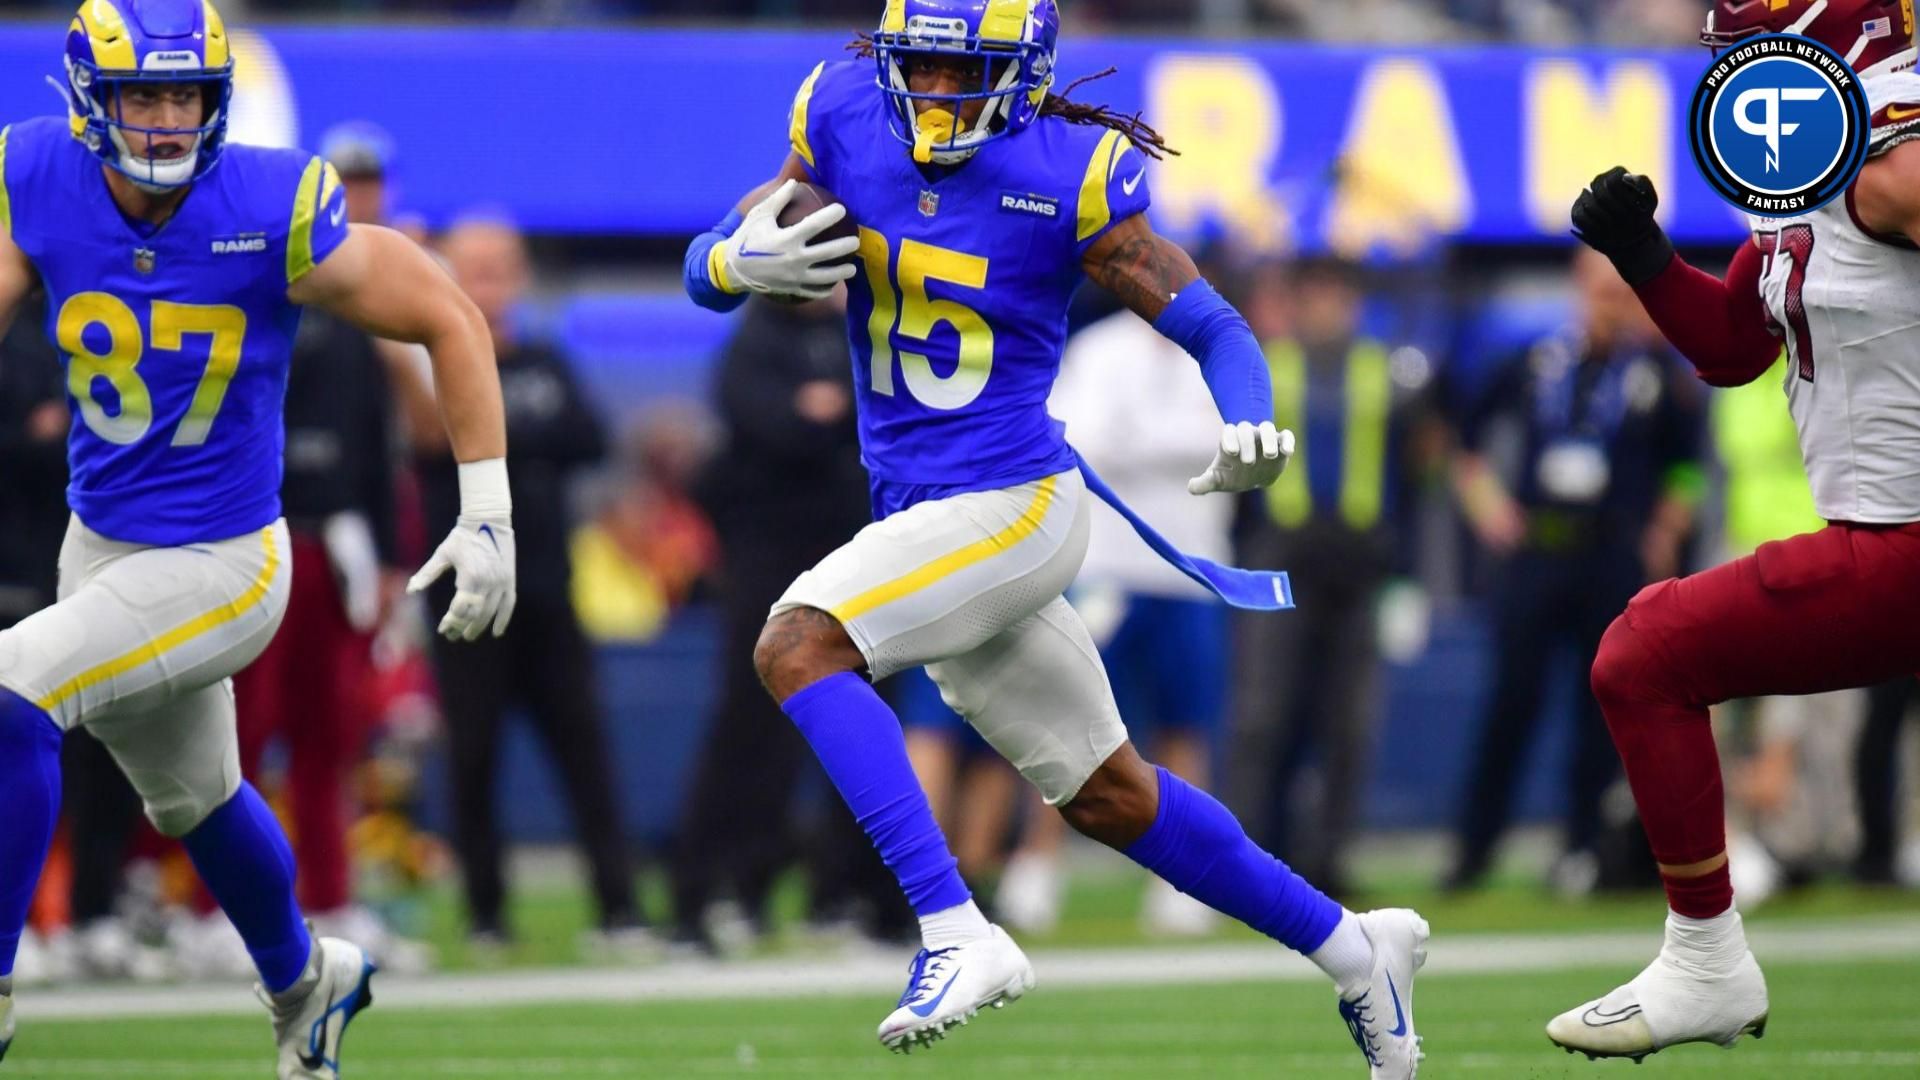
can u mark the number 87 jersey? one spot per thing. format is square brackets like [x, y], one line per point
[176, 338]
[958, 316]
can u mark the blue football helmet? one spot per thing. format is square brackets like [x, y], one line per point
[1015, 41]
[112, 43]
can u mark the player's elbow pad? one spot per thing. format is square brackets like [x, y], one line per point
[704, 276]
[1201, 321]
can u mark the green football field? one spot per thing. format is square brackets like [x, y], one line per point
[1857, 1015]
[1837, 1020]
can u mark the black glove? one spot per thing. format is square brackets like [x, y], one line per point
[1614, 216]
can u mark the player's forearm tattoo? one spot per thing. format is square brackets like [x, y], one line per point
[1144, 272]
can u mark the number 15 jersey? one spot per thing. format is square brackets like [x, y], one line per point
[958, 316]
[176, 339]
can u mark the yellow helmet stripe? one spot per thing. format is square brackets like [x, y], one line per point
[106, 29]
[300, 231]
[215, 49]
[1004, 20]
[895, 18]
[797, 126]
[6, 206]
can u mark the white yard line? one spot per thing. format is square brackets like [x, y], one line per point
[1860, 939]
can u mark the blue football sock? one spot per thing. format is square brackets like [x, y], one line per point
[858, 741]
[243, 856]
[1197, 845]
[29, 803]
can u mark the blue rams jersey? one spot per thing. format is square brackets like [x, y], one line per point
[959, 316]
[175, 339]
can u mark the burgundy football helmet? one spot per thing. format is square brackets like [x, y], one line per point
[1873, 35]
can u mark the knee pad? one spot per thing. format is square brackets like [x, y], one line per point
[183, 759]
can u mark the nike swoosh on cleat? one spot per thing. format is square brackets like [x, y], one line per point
[1593, 1017]
[924, 1011]
[316, 1059]
[1399, 1014]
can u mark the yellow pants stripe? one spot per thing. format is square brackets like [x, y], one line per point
[951, 563]
[177, 636]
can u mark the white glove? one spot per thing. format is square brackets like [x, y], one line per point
[1249, 457]
[763, 257]
[479, 550]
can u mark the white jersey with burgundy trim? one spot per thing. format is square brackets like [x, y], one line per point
[1846, 301]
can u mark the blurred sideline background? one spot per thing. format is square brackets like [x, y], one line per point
[1382, 185]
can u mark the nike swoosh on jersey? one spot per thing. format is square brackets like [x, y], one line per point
[924, 1011]
[1128, 185]
[1399, 1014]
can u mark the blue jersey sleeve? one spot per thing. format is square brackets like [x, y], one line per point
[804, 124]
[1113, 188]
[6, 203]
[319, 219]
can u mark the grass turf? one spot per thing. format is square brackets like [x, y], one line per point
[1830, 1020]
[1103, 907]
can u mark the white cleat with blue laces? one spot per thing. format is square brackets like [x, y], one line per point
[947, 987]
[1379, 1015]
[311, 1016]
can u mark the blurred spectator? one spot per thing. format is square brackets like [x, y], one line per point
[786, 489]
[1788, 786]
[1306, 681]
[33, 504]
[311, 688]
[1877, 769]
[645, 553]
[543, 661]
[1602, 500]
[33, 444]
[1137, 408]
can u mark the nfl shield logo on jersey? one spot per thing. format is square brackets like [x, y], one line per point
[143, 260]
[929, 203]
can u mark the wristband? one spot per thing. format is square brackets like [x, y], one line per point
[705, 270]
[484, 494]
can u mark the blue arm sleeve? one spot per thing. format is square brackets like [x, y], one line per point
[698, 271]
[1202, 322]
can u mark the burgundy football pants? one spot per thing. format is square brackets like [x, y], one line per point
[1829, 610]
[312, 689]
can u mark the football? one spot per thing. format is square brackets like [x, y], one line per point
[807, 198]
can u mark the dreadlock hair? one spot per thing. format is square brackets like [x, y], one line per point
[1138, 131]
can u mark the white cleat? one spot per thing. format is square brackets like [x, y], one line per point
[6, 1024]
[311, 1016]
[1675, 1000]
[947, 987]
[1380, 1015]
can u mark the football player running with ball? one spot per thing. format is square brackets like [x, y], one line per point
[1832, 609]
[982, 199]
[175, 268]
